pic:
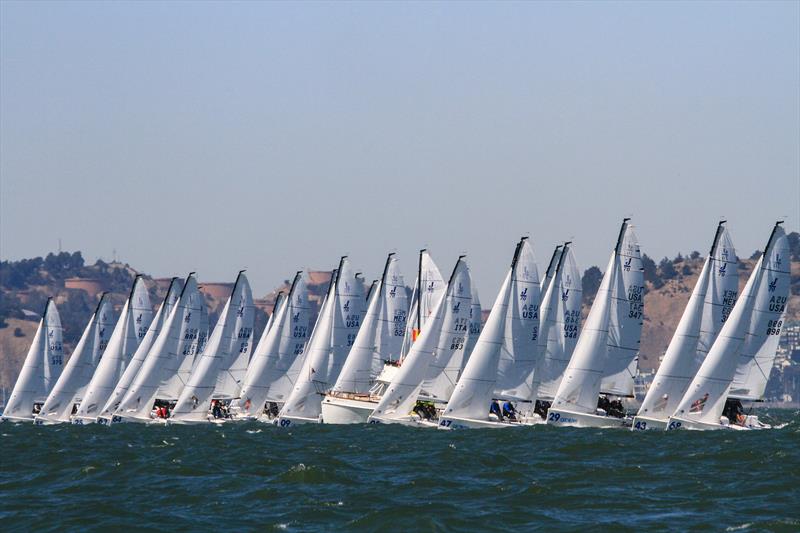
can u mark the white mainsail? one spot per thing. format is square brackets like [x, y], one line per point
[431, 286]
[521, 348]
[626, 320]
[475, 326]
[78, 370]
[380, 337]
[229, 340]
[176, 341]
[135, 364]
[560, 324]
[508, 332]
[708, 308]
[41, 369]
[333, 335]
[601, 343]
[453, 308]
[751, 331]
[131, 328]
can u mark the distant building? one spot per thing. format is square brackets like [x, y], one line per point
[218, 291]
[92, 286]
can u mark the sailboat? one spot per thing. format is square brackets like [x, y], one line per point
[333, 335]
[71, 385]
[749, 337]
[560, 326]
[211, 383]
[710, 303]
[379, 339]
[444, 336]
[132, 369]
[131, 328]
[177, 341]
[270, 376]
[501, 366]
[608, 345]
[41, 369]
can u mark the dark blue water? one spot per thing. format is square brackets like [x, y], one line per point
[369, 478]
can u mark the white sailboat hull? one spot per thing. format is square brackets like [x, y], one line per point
[644, 423]
[337, 410]
[751, 422]
[563, 417]
[412, 422]
[287, 421]
[82, 421]
[16, 419]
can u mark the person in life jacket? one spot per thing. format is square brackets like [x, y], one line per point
[494, 409]
[509, 411]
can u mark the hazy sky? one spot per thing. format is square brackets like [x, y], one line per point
[273, 137]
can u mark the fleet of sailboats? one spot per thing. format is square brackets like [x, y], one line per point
[379, 355]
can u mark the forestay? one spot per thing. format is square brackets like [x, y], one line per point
[560, 324]
[41, 369]
[402, 393]
[752, 329]
[381, 335]
[131, 328]
[78, 371]
[710, 303]
[135, 364]
[177, 340]
[229, 340]
[330, 342]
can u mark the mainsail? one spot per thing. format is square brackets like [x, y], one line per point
[80, 367]
[41, 369]
[176, 341]
[135, 364]
[380, 337]
[507, 332]
[560, 324]
[708, 308]
[333, 335]
[453, 308]
[229, 340]
[428, 289]
[131, 328]
[751, 332]
[610, 338]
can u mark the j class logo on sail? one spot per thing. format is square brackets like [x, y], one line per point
[457, 307]
[429, 288]
[101, 335]
[722, 269]
[393, 292]
[299, 331]
[523, 296]
[139, 317]
[627, 264]
[774, 327]
[777, 304]
[773, 285]
[565, 295]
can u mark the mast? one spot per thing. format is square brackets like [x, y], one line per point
[552, 261]
[516, 253]
[419, 292]
[621, 235]
[717, 235]
[772, 236]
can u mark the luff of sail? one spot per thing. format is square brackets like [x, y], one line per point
[709, 305]
[80, 367]
[135, 364]
[131, 328]
[41, 369]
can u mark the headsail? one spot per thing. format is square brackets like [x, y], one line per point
[131, 328]
[78, 371]
[475, 325]
[431, 286]
[42, 366]
[709, 305]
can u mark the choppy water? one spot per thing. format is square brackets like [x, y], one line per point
[312, 478]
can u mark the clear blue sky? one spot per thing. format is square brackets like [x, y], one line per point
[213, 137]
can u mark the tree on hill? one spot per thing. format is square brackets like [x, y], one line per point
[667, 269]
[651, 272]
[794, 245]
[590, 283]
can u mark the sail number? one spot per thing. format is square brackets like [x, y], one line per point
[774, 327]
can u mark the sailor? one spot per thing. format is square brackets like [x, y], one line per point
[215, 409]
[495, 409]
[509, 411]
